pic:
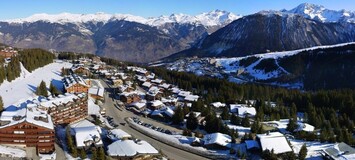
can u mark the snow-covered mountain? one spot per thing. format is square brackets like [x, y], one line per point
[309, 68]
[213, 18]
[269, 31]
[320, 13]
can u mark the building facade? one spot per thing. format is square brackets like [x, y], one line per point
[27, 127]
[67, 109]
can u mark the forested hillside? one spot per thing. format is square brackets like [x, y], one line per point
[333, 111]
[31, 60]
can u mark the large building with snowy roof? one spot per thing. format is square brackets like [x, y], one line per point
[274, 141]
[66, 109]
[75, 84]
[27, 126]
[130, 149]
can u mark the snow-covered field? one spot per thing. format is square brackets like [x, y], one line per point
[24, 86]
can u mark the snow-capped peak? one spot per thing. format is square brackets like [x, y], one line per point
[213, 18]
[64, 18]
[320, 13]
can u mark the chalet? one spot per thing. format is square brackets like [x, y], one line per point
[242, 110]
[80, 69]
[164, 113]
[339, 151]
[146, 85]
[165, 86]
[153, 95]
[116, 82]
[8, 52]
[124, 88]
[170, 101]
[139, 106]
[67, 108]
[86, 134]
[304, 127]
[216, 141]
[27, 127]
[96, 90]
[75, 84]
[156, 104]
[157, 81]
[131, 149]
[129, 97]
[274, 141]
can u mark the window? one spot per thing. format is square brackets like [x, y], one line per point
[19, 132]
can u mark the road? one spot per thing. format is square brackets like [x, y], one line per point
[119, 115]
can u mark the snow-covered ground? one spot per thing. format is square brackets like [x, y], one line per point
[14, 152]
[313, 148]
[241, 130]
[24, 86]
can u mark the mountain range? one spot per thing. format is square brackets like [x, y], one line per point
[305, 26]
[216, 33]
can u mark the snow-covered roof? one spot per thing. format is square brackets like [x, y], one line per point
[130, 148]
[158, 81]
[191, 98]
[165, 85]
[218, 104]
[26, 112]
[139, 104]
[72, 80]
[169, 100]
[147, 84]
[217, 138]
[183, 93]
[86, 132]
[175, 90]
[156, 103]
[61, 99]
[154, 89]
[305, 127]
[242, 109]
[96, 88]
[117, 134]
[168, 111]
[340, 151]
[274, 141]
[151, 76]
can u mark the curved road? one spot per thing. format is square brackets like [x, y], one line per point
[119, 115]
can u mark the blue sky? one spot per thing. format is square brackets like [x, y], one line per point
[11, 9]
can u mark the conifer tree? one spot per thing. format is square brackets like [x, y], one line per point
[101, 154]
[42, 89]
[1, 105]
[178, 116]
[94, 154]
[303, 152]
[246, 121]
[236, 120]
[83, 153]
[225, 114]
[191, 122]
